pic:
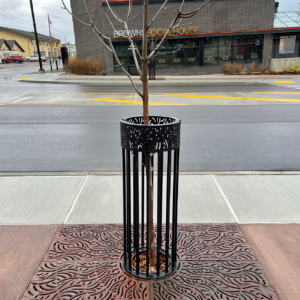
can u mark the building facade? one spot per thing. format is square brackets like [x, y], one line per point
[239, 32]
[26, 40]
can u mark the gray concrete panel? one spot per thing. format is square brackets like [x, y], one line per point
[37, 200]
[263, 199]
[199, 201]
[99, 202]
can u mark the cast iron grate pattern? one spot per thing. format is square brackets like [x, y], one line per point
[84, 263]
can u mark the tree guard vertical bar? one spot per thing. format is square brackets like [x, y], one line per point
[159, 207]
[124, 205]
[174, 219]
[128, 209]
[136, 208]
[148, 216]
[168, 210]
[143, 199]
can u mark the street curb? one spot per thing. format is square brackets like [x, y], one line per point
[166, 83]
[112, 173]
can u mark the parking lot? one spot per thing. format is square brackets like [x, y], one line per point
[27, 67]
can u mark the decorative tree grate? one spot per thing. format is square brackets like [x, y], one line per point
[143, 145]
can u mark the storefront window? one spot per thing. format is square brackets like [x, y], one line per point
[161, 61]
[191, 57]
[177, 59]
[237, 49]
[179, 53]
[187, 52]
[239, 54]
[224, 54]
[212, 41]
[225, 40]
[210, 55]
[287, 44]
[254, 53]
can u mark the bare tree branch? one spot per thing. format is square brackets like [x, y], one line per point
[192, 13]
[170, 52]
[179, 15]
[112, 25]
[121, 66]
[114, 13]
[133, 17]
[87, 11]
[102, 38]
[64, 7]
[179, 24]
[127, 33]
[181, 6]
[137, 50]
[151, 22]
[163, 39]
[133, 50]
[129, 9]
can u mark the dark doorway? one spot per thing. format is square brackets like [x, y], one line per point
[132, 70]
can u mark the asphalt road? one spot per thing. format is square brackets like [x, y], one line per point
[86, 137]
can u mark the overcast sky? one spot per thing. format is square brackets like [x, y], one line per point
[16, 14]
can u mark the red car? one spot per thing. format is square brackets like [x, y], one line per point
[13, 58]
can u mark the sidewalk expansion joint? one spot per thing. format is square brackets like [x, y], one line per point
[74, 203]
[225, 199]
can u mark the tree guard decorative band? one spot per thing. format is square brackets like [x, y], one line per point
[156, 145]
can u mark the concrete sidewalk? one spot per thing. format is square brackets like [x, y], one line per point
[61, 78]
[33, 209]
[93, 199]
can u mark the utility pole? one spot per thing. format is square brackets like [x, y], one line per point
[36, 38]
[50, 38]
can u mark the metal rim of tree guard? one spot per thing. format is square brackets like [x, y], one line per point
[143, 141]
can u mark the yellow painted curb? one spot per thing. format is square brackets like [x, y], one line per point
[130, 102]
[25, 78]
[284, 81]
[288, 93]
[233, 98]
[106, 100]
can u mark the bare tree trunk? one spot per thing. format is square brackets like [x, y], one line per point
[179, 15]
[146, 122]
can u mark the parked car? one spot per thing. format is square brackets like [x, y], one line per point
[35, 57]
[13, 58]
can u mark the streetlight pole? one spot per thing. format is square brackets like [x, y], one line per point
[36, 38]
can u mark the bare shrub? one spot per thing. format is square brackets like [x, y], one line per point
[264, 68]
[238, 69]
[229, 68]
[86, 66]
[251, 68]
[294, 69]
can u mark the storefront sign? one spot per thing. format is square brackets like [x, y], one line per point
[157, 31]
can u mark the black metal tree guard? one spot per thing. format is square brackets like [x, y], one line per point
[144, 142]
